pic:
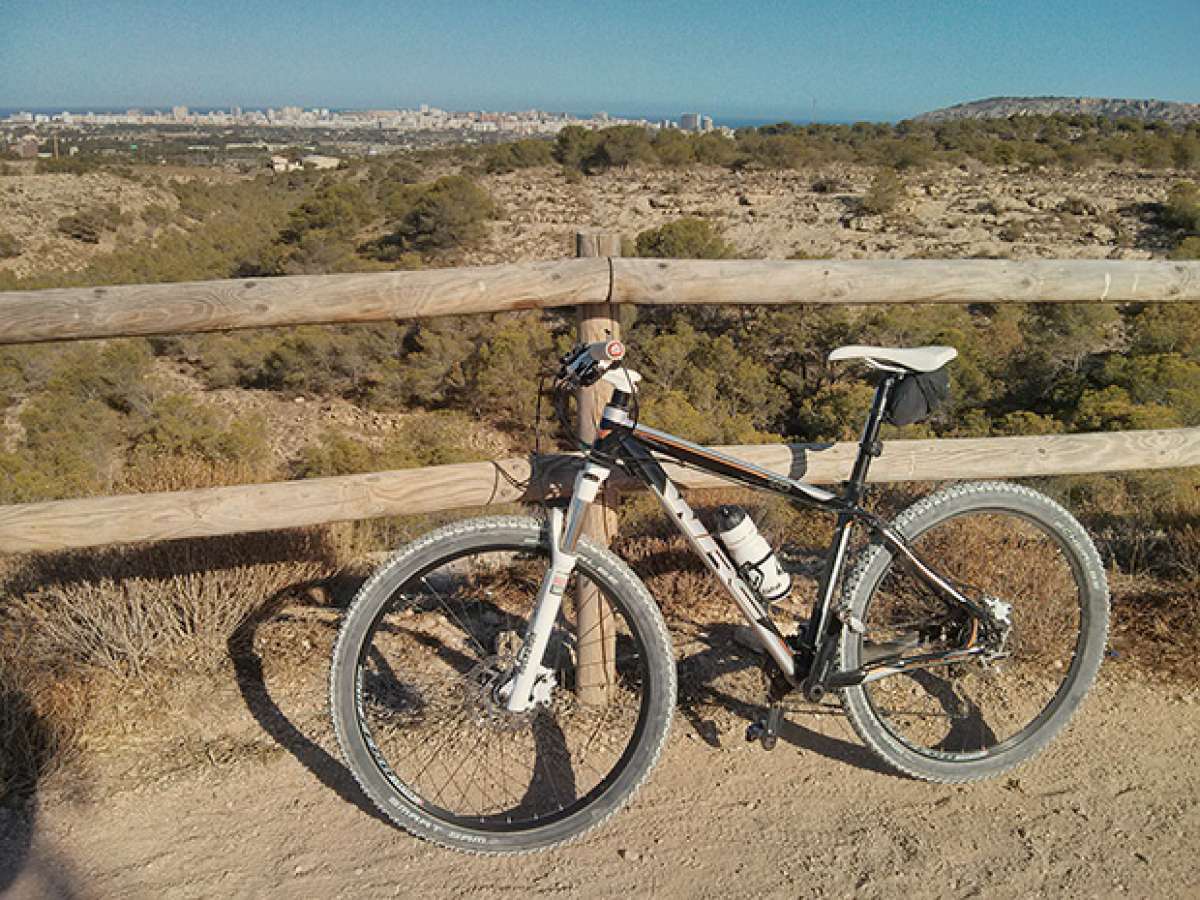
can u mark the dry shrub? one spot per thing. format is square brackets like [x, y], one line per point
[127, 627]
[80, 622]
[176, 604]
[182, 473]
[1156, 626]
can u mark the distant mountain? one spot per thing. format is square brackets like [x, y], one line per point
[1003, 107]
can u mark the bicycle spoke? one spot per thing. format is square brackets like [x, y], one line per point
[441, 722]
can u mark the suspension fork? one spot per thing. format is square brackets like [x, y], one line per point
[564, 538]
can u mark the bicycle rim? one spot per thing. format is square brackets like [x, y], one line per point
[977, 709]
[429, 705]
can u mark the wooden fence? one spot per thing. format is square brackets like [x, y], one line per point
[595, 283]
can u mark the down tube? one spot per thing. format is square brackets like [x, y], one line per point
[714, 557]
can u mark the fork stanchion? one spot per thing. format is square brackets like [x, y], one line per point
[595, 627]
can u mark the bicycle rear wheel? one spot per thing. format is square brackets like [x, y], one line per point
[418, 669]
[976, 719]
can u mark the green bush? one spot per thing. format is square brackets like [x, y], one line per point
[177, 425]
[574, 146]
[1182, 209]
[714, 149]
[9, 246]
[508, 157]
[1189, 248]
[623, 146]
[451, 212]
[686, 238]
[674, 148]
[89, 225]
[702, 386]
[423, 439]
[884, 194]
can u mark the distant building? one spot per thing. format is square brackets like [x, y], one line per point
[283, 164]
[321, 162]
[179, 112]
[706, 123]
[27, 147]
[690, 121]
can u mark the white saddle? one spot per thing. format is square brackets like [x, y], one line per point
[897, 359]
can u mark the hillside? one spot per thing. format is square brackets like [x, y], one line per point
[140, 682]
[1107, 107]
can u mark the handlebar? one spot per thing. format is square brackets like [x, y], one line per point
[587, 363]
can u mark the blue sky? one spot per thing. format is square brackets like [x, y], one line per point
[861, 59]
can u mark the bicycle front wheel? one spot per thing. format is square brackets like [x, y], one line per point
[976, 719]
[417, 691]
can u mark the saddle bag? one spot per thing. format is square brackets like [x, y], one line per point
[916, 395]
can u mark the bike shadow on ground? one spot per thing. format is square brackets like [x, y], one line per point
[252, 685]
[721, 656]
[552, 766]
[699, 672]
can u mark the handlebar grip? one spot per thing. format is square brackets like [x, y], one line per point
[606, 351]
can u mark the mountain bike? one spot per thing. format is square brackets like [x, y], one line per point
[960, 637]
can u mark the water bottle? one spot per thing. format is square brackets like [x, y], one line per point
[752, 554]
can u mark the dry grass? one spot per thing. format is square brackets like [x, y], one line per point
[77, 626]
[1156, 626]
[78, 623]
[182, 473]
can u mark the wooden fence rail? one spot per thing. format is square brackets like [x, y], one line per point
[105, 312]
[94, 521]
[131, 310]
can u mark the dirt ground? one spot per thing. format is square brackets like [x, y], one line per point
[251, 800]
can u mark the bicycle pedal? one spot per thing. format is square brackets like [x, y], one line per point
[766, 730]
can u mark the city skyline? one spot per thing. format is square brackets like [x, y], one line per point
[871, 61]
[421, 118]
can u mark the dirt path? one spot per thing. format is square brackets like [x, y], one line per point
[1113, 808]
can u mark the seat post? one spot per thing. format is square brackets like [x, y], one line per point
[869, 446]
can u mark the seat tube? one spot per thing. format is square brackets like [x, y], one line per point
[869, 446]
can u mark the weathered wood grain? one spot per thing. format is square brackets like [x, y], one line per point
[129, 310]
[265, 507]
[687, 281]
[73, 313]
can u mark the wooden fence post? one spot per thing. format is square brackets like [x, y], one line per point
[595, 626]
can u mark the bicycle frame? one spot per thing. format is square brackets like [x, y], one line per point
[805, 660]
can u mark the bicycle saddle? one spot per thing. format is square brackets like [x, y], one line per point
[910, 359]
